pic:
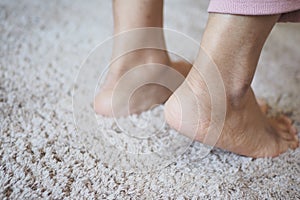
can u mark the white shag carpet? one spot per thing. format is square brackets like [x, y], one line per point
[42, 45]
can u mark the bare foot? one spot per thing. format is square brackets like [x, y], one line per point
[124, 91]
[231, 46]
[247, 131]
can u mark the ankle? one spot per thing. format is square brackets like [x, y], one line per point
[138, 39]
[143, 56]
[236, 93]
[237, 99]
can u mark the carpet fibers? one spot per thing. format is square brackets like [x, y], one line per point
[42, 156]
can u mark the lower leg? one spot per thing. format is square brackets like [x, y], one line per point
[137, 14]
[132, 14]
[129, 15]
[234, 44]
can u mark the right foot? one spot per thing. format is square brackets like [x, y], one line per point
[247, 131]
[231, 48]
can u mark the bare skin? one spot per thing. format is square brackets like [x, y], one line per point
[127, 16]
[234, 43]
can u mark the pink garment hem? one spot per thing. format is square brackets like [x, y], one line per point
[290, 9]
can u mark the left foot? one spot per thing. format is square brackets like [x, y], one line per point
[124, 91]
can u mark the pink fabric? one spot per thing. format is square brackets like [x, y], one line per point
[290, 9]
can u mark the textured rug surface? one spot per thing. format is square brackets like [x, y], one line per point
[42, 46]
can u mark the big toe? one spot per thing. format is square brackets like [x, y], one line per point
[283, 123]
[286, 130]
[291, 144]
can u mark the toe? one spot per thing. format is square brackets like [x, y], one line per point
[285, 119]
[293, 130]
[282, 123]
[284, 127]
[284, 145]
[294, 144]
